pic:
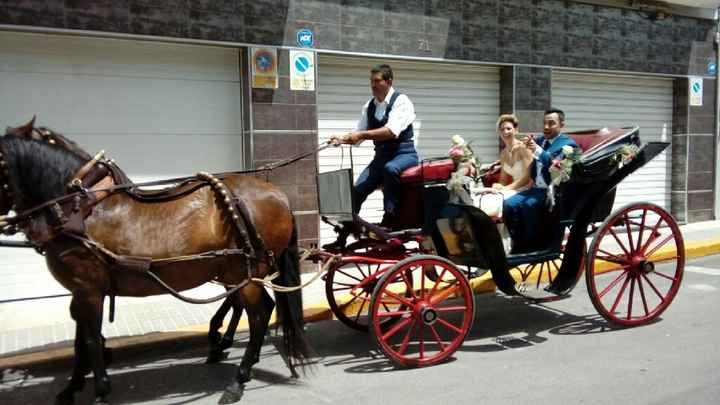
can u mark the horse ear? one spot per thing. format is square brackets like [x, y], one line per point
[28, 128]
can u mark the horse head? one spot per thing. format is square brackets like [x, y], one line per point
[35, 164]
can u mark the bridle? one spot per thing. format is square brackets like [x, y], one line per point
[5, 191]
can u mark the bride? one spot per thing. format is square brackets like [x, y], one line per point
[515, 158]
[515, 162]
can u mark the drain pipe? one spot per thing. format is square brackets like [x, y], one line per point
[717, 113]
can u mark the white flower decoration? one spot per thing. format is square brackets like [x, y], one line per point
[458, 140]
[568, 150]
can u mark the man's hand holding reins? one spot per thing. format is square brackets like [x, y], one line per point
[351, 138]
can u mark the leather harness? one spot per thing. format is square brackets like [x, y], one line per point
[99, 179]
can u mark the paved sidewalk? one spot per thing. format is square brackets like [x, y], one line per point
[42, 329]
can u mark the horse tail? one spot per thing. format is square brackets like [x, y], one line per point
[290, 306]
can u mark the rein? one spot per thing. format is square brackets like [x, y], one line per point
[253, 246]
[8, 224]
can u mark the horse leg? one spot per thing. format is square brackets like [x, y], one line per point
[80, 369]
[87, 311]
[259, 306]
[219, 343]
[229, 335]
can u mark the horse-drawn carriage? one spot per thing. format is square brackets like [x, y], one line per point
[412, 286]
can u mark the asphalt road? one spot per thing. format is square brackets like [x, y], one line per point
[516, 353]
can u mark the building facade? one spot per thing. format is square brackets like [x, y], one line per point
[172, 87]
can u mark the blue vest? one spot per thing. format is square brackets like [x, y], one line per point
[405, 136]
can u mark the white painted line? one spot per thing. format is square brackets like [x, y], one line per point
[703, 270]
[702, 287]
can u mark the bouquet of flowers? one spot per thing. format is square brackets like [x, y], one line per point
[624, 155]
[466, 167]
[561, 169]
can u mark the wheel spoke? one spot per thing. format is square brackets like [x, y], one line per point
[617, 298]
[611, 257]
[421, 331]
[348, 287]
[437, 281]
[362, 305]
[443, 294]
[653, 287]
[422, 282]
[400, 299]
[630, 298]
[396, 328]
[406, 339]
[642, 295]
[408, 284]
[629, 234]
[345, 305]
[642, 228]
[539, 276]
[449, 326]
[673, 279]
[454, 308]
[612, 284]
[653, 235]
[622, 246]
[393, 314]
[527, 271]
[659, 245]
[348, 275]
[357, 265]
[437, 338]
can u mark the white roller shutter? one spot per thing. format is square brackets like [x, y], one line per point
[596, 101]
[160, 110]
[449, 99]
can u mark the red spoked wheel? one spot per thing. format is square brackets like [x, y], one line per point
[532, 279]
[349, 285]
[431, 316]
[635, 264]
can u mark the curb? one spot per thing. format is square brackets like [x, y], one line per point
[197, 334]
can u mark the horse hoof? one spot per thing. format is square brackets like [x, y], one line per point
[64, 398]
[216, 357]
[233, 393]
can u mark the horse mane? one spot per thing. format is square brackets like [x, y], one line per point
[38, 171]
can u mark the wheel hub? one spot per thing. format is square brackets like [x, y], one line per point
[640, 264]
[427, 314]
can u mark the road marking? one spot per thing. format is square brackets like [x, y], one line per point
[702, 287]
[703, 270]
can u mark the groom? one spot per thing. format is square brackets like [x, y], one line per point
[522, 211]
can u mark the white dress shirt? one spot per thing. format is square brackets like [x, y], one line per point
[401, 115]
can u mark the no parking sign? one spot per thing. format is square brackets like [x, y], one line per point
[696, 91]
[302, 70]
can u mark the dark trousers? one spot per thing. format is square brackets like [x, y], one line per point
[521, 214]
[385, 169]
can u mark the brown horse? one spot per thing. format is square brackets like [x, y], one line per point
[36, 171]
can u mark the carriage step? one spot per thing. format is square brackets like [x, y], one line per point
[532, 257]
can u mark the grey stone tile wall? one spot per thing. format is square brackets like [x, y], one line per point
[693, 154]
[548, 32]
[276, 114]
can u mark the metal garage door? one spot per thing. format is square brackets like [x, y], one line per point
[596, 101]
[158, 109]
[449, 99]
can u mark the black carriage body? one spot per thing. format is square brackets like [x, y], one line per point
[467, 236]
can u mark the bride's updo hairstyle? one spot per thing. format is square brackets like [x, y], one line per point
[511, 118]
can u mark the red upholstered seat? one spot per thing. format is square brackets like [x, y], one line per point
[434, 170]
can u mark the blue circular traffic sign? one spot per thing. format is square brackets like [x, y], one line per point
[305, 38]
[302, 64]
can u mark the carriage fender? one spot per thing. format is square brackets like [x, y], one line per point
[488, 251]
